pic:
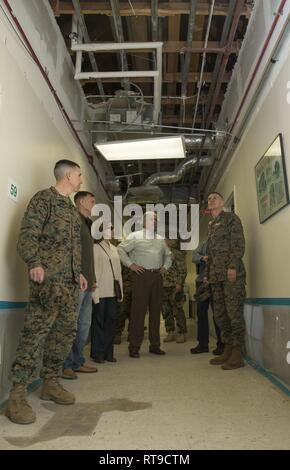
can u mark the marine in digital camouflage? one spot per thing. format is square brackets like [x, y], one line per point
[172, 308]
[50, 323]
[49, 238]
[225, 249]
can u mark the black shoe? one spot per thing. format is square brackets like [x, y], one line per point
[218, 351]
[111, 359]
[199, 349]
[135, 355]
[99, 361]
[157, 351]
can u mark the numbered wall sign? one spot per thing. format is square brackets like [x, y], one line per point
[13, 190]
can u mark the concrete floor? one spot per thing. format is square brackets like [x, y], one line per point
[177, 401]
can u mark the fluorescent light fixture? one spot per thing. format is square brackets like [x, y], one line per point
[143, 149]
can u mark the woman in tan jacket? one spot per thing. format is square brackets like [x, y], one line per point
[108, 270]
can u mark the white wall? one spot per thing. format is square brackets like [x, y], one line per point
[33, 136]
[267, 255]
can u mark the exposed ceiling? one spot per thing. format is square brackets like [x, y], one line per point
[201, 41]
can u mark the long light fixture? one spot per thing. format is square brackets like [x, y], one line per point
[143, 149]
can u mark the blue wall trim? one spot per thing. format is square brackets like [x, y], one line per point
[11, 305]
[269, 376]
[275, 301]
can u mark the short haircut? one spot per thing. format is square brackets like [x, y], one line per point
[62, 166]
[214, 192]
[80, 194]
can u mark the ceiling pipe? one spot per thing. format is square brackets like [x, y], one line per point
[119, 37]
[223, 42]
[154, 27]
[211, 179]
[169, 177]
[236, 18]
[208, 142]
[43, 72]
[154, 19]
[207, 50]
[86, 37]
[186, 61]
[225, 33]
[199, 85]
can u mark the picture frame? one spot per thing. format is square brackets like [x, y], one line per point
[271, 180]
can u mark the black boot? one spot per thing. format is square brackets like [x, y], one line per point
[199, 349]
[219, 349]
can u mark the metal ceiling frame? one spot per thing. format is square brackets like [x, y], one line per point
[111, 47]
[119, 36]
[79, 20]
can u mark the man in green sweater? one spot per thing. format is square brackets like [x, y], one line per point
[75, 361]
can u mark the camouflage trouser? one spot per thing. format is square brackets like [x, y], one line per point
[123, 309]
[173, 311]
[228, 302]
[49, 329]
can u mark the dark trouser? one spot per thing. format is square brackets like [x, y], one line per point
[103, 328]
[146, 293]
[123, 309]
[202, 325]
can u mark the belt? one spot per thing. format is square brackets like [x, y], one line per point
[153, 270]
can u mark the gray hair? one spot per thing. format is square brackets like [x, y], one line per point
[62, 167]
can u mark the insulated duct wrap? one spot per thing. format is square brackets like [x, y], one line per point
[169, 177]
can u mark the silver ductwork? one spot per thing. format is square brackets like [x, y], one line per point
[146, 193]
[167, 177]
[208, 142]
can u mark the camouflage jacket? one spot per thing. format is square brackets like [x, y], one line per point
[176, 274]
[226, 247]
[50, 236]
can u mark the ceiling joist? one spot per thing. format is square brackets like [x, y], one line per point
[144, 8]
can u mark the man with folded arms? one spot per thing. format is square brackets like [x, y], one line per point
[148, 256]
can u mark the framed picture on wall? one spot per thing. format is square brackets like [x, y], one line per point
[271, 181]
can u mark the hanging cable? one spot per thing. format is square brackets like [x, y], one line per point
[203, 62]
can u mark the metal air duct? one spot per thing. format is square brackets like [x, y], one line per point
[167, 177]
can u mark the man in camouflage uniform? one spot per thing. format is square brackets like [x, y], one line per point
[124, 307]
[49, 243]
[226, 274]
[173, 281]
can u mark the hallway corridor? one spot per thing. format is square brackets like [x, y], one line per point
[174, 402]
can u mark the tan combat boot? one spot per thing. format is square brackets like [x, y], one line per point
[181, 338]
[170, 337]
[53, 391]
[218, 360]
[18, 410]
[235, 361]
